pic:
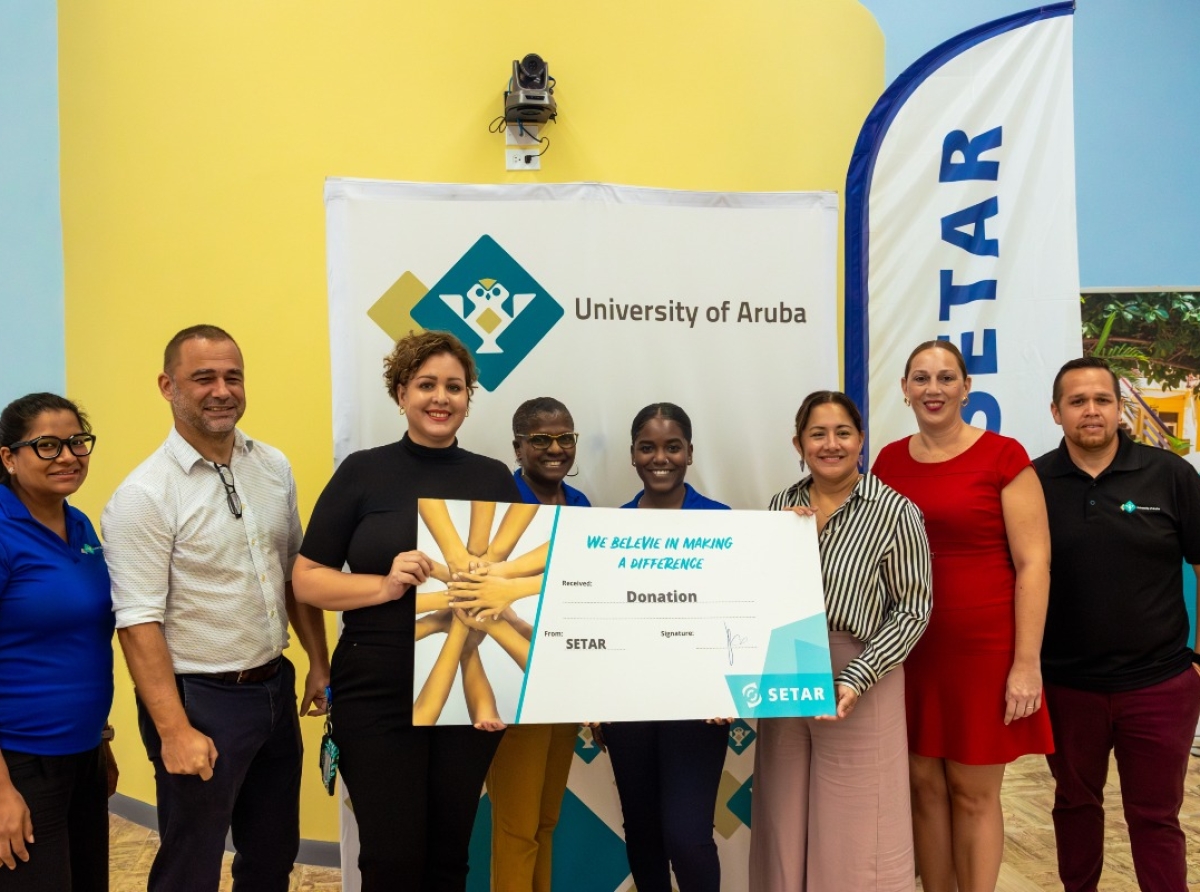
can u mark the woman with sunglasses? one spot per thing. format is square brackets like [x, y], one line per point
[56, 627]
[528, 776]
[668, 773]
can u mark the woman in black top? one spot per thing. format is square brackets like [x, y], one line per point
[415, 789]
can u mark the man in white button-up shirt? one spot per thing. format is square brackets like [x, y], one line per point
[200, 541]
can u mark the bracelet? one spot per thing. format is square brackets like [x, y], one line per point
[108, 733]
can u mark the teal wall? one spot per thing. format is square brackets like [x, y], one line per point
[32, 355]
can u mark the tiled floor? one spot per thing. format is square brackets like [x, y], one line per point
[1029, 863]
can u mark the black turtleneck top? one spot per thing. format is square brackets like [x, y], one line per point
[368, 514]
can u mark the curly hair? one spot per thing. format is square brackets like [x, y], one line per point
[19, 415]
[411, 352]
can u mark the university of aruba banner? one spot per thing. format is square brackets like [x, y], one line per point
[608, 298]
[960, 224]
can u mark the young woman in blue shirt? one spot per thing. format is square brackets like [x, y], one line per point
[668, 773]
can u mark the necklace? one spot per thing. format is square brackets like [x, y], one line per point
[815, 499]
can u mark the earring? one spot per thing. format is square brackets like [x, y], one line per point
[966, 399]
[906, 402]
[467, 414]
[402, 410]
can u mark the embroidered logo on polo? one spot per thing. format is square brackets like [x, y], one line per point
[1130, 508]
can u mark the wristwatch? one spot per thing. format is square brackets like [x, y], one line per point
[108, 733]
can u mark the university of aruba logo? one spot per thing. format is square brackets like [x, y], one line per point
[493, 306]
[741, 735]
[1130, 508]
[586, 746]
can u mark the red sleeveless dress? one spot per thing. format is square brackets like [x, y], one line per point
[955, 676]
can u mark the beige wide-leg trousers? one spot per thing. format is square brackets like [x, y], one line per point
[831, 807]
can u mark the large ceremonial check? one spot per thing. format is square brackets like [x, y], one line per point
[599, 614]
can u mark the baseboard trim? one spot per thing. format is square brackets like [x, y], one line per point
[312, 851]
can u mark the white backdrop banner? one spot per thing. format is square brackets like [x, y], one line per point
[960, 224]
[607, 298]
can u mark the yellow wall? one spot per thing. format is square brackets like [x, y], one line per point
[196, 138]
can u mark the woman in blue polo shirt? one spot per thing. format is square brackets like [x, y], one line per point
[529, 773]
[56, 626]
[668, 773]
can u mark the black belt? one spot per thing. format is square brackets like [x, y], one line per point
[265, 672]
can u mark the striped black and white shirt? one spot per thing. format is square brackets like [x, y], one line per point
[875, 564]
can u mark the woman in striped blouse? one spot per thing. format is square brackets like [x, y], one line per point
[831, 797]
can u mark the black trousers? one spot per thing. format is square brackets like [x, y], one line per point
[254, 792]
[668, 775]
[67, 797]
[415, 791]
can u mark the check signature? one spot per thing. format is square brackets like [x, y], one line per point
[733, 640]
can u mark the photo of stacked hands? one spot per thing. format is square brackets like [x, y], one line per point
[482, 583]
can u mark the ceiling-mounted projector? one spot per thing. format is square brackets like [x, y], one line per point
[530, 97]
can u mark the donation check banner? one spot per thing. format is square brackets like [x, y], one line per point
[539, 613]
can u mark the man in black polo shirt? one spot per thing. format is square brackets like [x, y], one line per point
[1119, 671]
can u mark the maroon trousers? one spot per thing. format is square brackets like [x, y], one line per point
[1150, 730]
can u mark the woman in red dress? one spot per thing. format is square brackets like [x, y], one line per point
[973, 681]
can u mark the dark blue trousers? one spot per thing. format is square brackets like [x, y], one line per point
[67, 797]
[254, 791]
[668, 774]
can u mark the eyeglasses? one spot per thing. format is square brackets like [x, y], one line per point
[543, 441]
[51, 448]
[231, 494]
